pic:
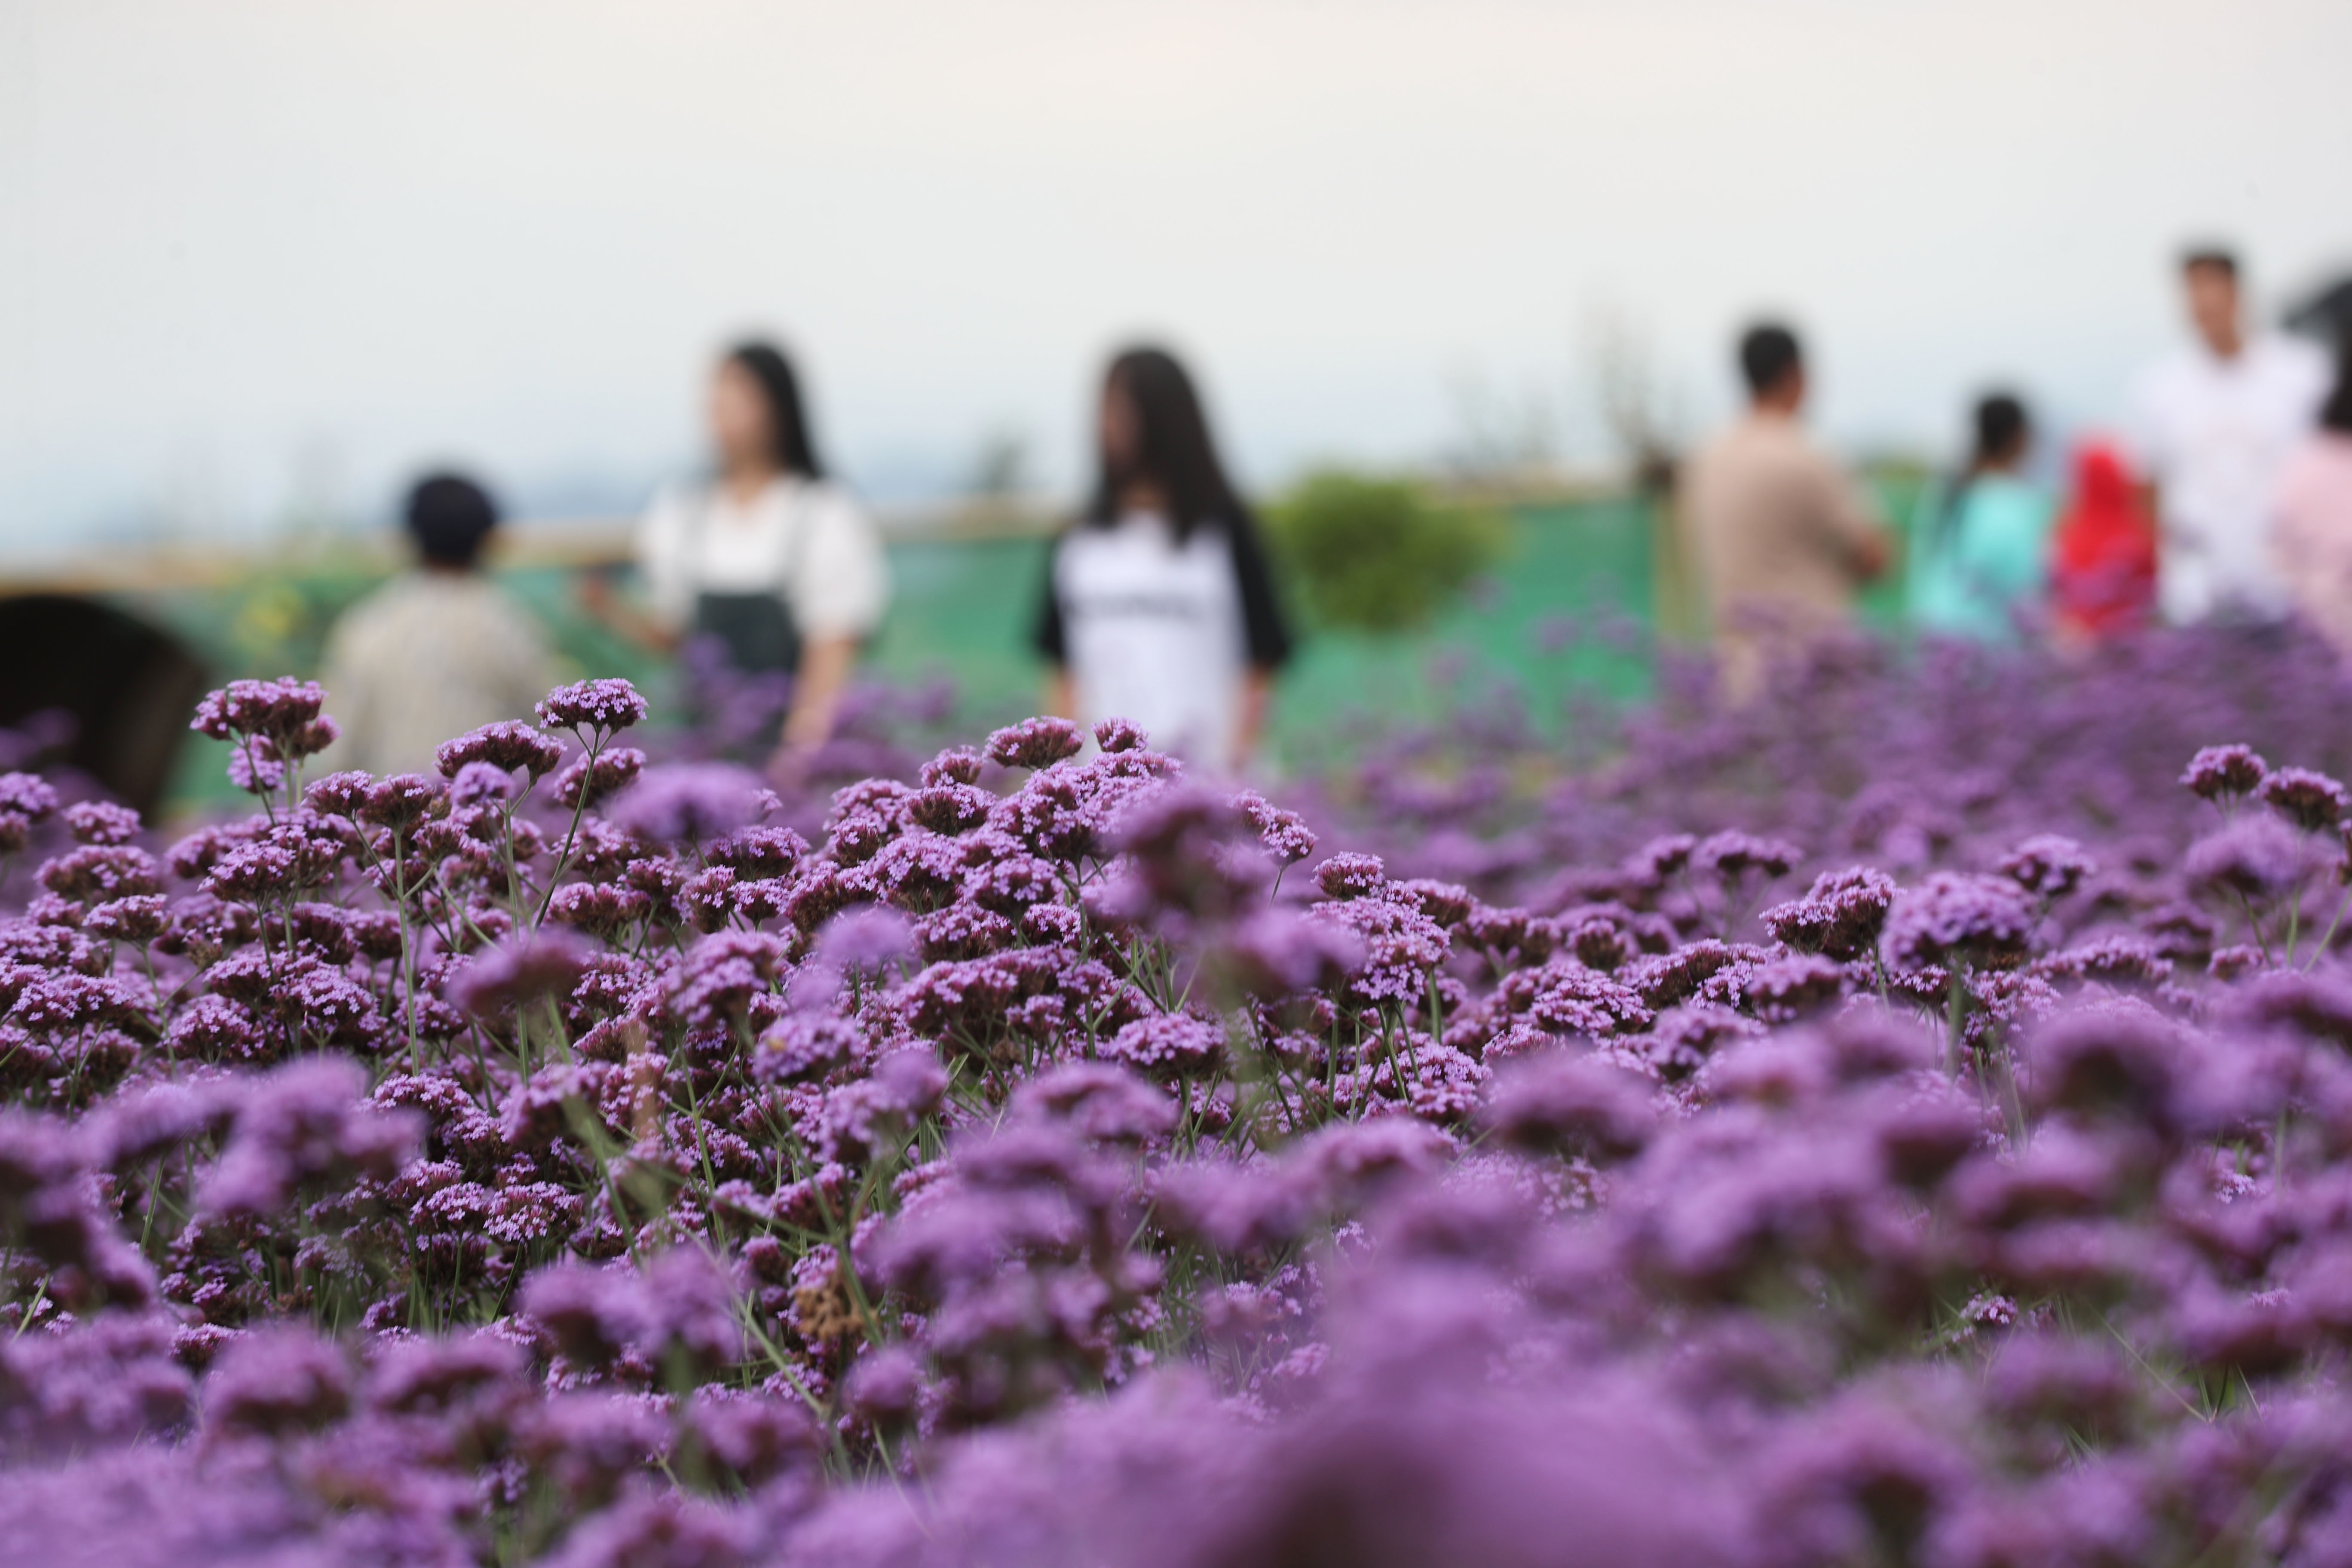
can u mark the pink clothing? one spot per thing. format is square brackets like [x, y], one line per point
[2310, 534]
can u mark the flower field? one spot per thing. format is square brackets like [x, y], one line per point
[1907, 1120]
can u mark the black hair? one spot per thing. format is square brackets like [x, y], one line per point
[1767, 356]
[794, 452]
[2002, 426]
[2001, 423]
[2220, 258]
[2335, 413]
[449, 516]
[1173, 451]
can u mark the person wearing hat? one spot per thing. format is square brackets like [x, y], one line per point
[438, 650]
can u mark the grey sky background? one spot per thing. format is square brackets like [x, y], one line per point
[260, 259]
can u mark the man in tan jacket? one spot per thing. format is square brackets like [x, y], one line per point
[1780, 538]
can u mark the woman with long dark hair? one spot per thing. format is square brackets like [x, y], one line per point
[1159, 605]
[767, 555]
[1981, 544]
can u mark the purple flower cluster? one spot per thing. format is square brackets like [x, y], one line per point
[1788, 1135]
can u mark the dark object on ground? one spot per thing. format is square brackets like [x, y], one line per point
[127, 686]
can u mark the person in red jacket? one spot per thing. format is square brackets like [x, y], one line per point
[2103, 554]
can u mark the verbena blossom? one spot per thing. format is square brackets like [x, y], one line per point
[607, 705]
[690, 801]
[996, 1159]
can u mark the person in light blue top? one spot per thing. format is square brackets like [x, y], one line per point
[1981, 544]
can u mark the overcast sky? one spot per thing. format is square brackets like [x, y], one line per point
[262, 258]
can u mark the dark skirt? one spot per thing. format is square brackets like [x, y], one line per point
[756, 629]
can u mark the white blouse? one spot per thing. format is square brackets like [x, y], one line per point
[807, 541]
[1152, 631]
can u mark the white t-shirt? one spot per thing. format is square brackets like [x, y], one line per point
[808, 541]
[1153, 632]
[2214, 434]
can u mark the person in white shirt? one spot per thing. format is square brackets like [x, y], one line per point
[437, 651]
[2213, 427]
[778, 563]
[1159, 605]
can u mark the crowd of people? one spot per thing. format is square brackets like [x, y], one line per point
[2226, 496]
[1158, 606]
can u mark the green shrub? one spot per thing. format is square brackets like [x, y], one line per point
[1377, 553]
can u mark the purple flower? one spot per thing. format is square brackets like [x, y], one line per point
[275, 709]
[804, 1044]
[400, 801]
[757, 1438]
[1168, 1045]
[2312, 801]
[884, 1386]
[275, 1381]
[593, 1315]
[1572, 1105]
[1351, 876]
[587, 780]
[865, 940]
[1099, 1102]
[27, 795]
[2219, 773]
[2048, 864]
[516, 970]
[1280, 950]
[587, 1445]
[1780, 990]
[2120, 1061]
[1035, 743]
[660, 1530]
[304, 1124]
[860, 1118]
[338, 794]
[1661, 858]
[956, 765]
[2258, 857]
[424, 1376]
[1858, 1478]
[1349, 1159]
[689, 802]
[609, 705]
[1954, 917]
[508, 745]
[599, 909]
[1115, 735]
[481, 783]
[101, 822]
[1283, 835]
[96, 872]
[1733, 855]
[69, 1001]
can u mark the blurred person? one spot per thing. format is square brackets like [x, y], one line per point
[1780, 538]
[2213, 427]
[438, 650]
[776, 562]
[2311, 537]
[1982, 541]
[1159, 605]
[2103, 552]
